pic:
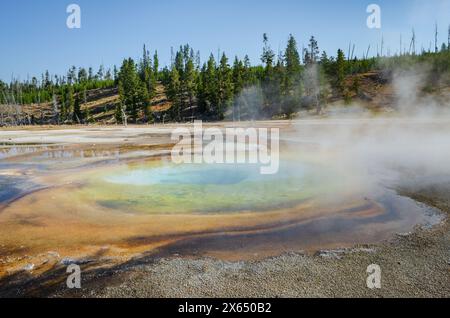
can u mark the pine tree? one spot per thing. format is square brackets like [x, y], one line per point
[268, 56]
[293, 66]
[326, 63]
[47, 80]
[225, 86]
[71, 75]
[238, 85]
[77, 115]
[173, 93]
[312, 54]
[108, 75]
[189, 84]
[82, 75]
[268, 84]
[248, 76]
[101, 73]
[156, 66]
[210, 85]
[278, 87]
[340, 71]
[115, 76]
[132, 91]
[238, 76]
[179, 62]
[201, 91]
[146, 73]
[90, 74]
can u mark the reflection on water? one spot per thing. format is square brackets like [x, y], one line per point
[55, 152]
[59, 157]
[15, 150]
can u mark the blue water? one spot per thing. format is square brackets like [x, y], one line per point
[201, 174]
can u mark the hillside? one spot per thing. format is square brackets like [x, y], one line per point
[99, 106]
[372, 90]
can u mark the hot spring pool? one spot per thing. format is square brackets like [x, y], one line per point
[204, 188]
[123, 206]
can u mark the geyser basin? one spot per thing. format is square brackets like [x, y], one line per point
[226, 211]
[122, 202]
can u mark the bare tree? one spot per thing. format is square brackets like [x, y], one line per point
[412, 46]
[448, 39]
[436, 49]
[55, 110]
[124, 116]
[11, 113]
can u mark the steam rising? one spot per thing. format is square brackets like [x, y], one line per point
[395, 148]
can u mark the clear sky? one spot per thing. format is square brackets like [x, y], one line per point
[34, 36]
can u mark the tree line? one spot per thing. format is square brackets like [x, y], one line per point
[220, 88]
[278, 87]
[66, 93]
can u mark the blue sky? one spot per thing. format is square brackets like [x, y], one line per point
[34, 36]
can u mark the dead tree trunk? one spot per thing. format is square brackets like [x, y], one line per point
[124, 117]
